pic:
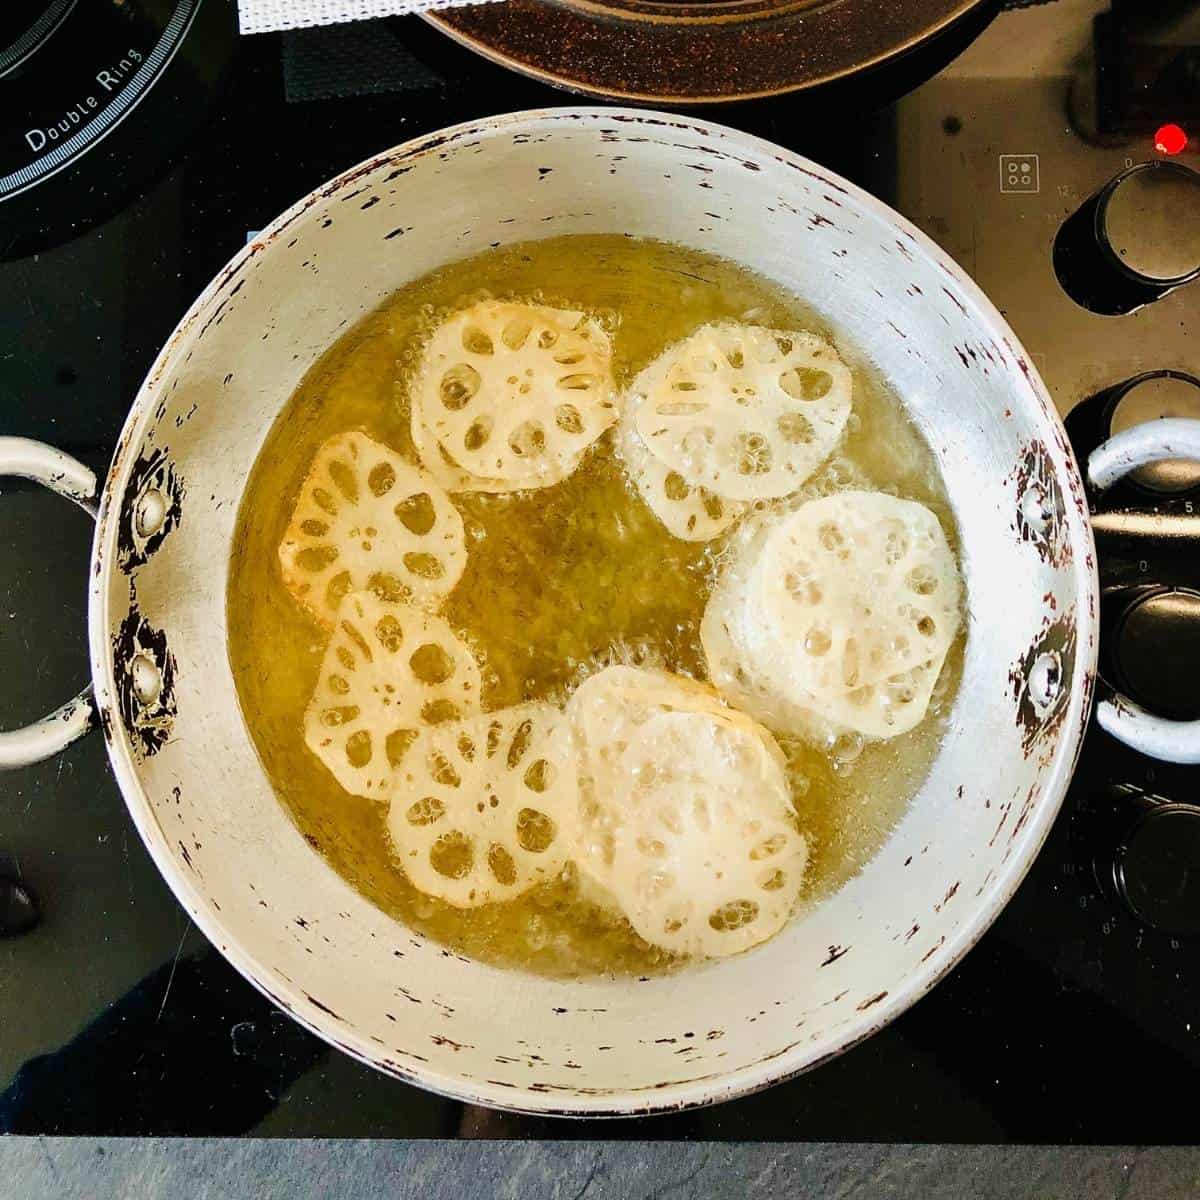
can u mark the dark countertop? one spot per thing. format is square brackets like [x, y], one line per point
[152, 1168]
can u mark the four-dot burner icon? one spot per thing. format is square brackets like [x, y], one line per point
[1019, 173]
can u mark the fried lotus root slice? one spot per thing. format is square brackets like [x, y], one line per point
[608, 708]
[451, 475]
[367, 520]
[515, 392]
[735, 673]
[856, 588]
[607, 711]
[888, 707]
[706, 857]
[882, 710]
[693, 514]
[751, 667]
[390, 671]
[747, 412]
[483, 809]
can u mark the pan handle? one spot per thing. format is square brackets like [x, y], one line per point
[1149, 442]
[68, 477]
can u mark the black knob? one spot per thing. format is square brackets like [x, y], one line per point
[1147, 398]
[18, 909]
[1148, 220]
[1160, 626]
[1146, 526]
[1134, 241]
[1157, 868]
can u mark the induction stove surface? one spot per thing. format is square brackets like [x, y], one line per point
[1074, 1012]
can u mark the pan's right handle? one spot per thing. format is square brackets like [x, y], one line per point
[68, 477]
[1149, 442]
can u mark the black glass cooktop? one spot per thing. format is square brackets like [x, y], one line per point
[1077, 1016]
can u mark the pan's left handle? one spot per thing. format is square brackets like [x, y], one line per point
[1149, 442]
[68, 477]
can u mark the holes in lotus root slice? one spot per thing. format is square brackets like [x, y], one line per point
[484, 809]
[865, 583]
[451, 475]
[513, 392]
[389, 672]
[747, 412]
[706, 858]
[741, 672]
[366, 519]
[890, 706]
[693, 514]
[453, 478]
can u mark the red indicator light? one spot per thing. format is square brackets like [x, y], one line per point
[1170, 139]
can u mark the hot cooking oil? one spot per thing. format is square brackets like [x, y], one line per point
[558, 580]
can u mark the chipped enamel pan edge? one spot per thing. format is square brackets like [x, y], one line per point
[714, 1087]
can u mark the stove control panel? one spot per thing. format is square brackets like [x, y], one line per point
[1147, 528]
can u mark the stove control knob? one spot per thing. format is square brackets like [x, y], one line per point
[1148, 222]
[1161, 625]
[18, 909]
[1134, 241]
[1149, 397]
[1157, 868]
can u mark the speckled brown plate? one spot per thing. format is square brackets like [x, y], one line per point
[697, 53]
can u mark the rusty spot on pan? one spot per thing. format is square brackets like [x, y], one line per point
[323, 1007]
[1039, 510]
[144, 674]
[1039, 681]
[151, 507]
[440, 1040]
